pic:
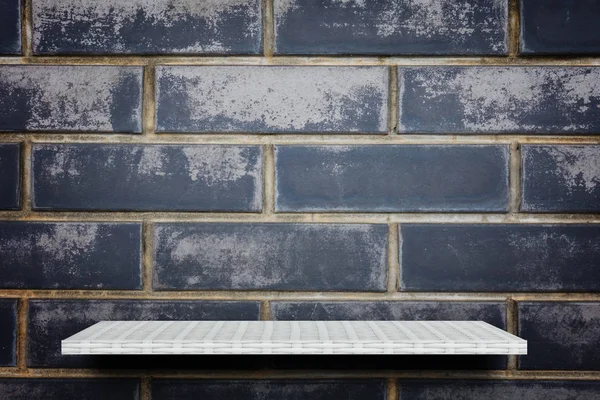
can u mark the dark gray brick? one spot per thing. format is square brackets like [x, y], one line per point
[147, 177]
[560, 335]
[391, 27]
[51, 321]
[70, 98]
[491, 312]
[391, 178]
[271, 99]
[8, 333]
[560, 27]
[68, 389]
[498, 390]
[499, 257]
[268, 389]
[10, 27]
[147, 27]
[560, 178]
[541, 100]
[40, 255]
[270, 256]
[10, 187]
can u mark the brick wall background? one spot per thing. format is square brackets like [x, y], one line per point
[288, 159]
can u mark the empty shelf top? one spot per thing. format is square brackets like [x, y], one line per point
[293, 337]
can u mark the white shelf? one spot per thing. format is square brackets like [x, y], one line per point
[293, 337]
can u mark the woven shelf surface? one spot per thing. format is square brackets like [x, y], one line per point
[293, 337]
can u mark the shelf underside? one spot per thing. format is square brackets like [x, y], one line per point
[293, 337]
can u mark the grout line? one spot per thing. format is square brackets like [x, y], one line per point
[392, 390]
[393, 258]
[302, 374]
[265, 310]
[393, 101]
[304, 60]
[513, 28]
[22, 315]
[25, 178]
[290, 139]
[26, 29]
[148, 110]
[511, 327]
[145, 388]
[515, 178]
[147, 254]
[257, 295]
[268, 39]
[269, 181]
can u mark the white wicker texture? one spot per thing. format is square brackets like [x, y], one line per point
[293, 337]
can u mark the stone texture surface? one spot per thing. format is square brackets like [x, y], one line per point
[47, 255]
[541, 100]
[391, 27]
[271, 99]
[10, 167]
[270, 256]
[490, 312]
[268, 389]
[147, 27]
[10, 27]
[8, 332]
[147, 177]
[500, 258]
[67, 389]
[391, 178]
[560, 335]
[498, 390]
[70, 98]
[560, 27]
[560, 178]
[50, 321]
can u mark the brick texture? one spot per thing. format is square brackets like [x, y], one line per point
[391, 27]
[495, 258]
[270, 256]
[10, 159]
[147, 27]
[559, 27]
[300, 160]
[10, 27]
[560, 335]
[8, 333]
[391, 178]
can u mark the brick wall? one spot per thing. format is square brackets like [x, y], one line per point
[287, 159]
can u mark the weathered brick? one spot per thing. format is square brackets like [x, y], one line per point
[391, 178]
[270, 256]
[358, 389]
[40, 255]
[560, 178]
[500, 257]
[498, 390]
[560, 27]
[560, 335]
[147, 27]
[10, 27]
[271, 99]
[10, 186]
[491, 312]
[8, 333]
[51, 321]
[515, 99]
[147, 177]
[391, 27]
[64, 389]
[70, 98]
